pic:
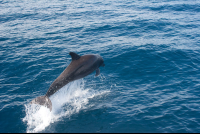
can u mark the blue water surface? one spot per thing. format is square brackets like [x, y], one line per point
[151, 78]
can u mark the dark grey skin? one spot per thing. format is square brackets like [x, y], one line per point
[79, 67]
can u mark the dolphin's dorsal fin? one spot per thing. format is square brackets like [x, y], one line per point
[97, 72]
[74, 56]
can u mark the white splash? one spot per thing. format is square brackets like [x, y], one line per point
[67, 101]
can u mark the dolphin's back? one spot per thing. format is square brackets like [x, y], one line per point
[64, 78]
[71, 73]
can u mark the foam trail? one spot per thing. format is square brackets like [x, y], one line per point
[68, 100]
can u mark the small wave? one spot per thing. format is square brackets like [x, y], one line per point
[67, 101]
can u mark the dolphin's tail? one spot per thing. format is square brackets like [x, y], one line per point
[42, 100]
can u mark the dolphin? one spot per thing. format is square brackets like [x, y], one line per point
[79, 67]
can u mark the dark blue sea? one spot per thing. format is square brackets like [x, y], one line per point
[151, 78]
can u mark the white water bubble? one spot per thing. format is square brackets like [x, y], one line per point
[67, 101]
[37, 117]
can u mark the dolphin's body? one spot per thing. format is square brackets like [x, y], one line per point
[79, 67]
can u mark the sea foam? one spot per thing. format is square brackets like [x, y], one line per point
[68, 100]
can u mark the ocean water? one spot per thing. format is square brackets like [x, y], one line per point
[151, 78]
